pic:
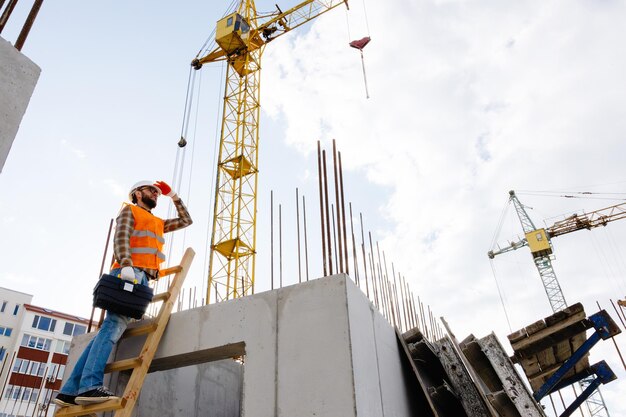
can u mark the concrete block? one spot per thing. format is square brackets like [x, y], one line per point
[314, 349]
[18, 77]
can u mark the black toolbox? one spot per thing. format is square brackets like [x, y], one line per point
[122, 297]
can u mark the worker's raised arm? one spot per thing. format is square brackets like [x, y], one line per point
[183, 219]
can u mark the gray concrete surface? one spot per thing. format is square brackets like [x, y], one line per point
[18, 77]
[193, 390]
[314, 349]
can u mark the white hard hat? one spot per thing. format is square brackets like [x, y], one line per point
[140, 184]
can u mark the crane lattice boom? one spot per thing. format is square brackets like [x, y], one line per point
[588, 221]
[241, 38]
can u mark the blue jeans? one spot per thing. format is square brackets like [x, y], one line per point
[88, 373]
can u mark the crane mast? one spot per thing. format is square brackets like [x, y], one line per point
[541, 249]
[241, 38]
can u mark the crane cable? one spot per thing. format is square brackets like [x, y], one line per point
[360, 44]
[590, 195]
[181, 151]
[495, 278]
[496, 233]
[609, 267]
[616, 254]
[205, 47]
[220, 95]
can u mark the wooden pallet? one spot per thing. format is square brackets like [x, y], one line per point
[542, 347]
[154, 328]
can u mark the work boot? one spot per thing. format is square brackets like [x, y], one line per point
[95, 396]
[64, 400]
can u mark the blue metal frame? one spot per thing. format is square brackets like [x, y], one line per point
[605, 328]
[605, 375]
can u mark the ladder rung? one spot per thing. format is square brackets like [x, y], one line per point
[150, 326]
[86, 410]
[170, 271]
[164, 296]
[123, 365]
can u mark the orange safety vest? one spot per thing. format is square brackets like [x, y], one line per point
[146, 240]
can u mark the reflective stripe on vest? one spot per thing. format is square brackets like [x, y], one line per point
[152, 251]
[147, 233]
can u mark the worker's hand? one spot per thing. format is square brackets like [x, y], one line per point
[128, 274]
[165, 189]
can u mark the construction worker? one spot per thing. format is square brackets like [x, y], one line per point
[138, 244]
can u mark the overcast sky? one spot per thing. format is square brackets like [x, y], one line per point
[468, 100]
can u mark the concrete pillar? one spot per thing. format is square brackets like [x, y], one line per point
[18, 77]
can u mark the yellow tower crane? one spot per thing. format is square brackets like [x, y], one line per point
[241, 37]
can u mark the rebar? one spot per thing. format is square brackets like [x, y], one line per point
[343, 215]
[272, 238]
[28, 24]
[319, 174]
[334, 231]
[306, 248]
[329, 247]
[367, 290]
[354, 258]
[104, 255]
[618, 315]
[7, 14]
[280, 245]
[619, 353]
[338, 248]
[298, 233]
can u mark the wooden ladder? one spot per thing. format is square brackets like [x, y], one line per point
[154, 328]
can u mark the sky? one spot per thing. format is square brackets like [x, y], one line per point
[468, 100]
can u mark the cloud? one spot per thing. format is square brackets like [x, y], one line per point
[468, 100]
[75, 151]
[116, 188]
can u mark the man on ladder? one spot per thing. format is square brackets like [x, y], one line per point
[138, 244]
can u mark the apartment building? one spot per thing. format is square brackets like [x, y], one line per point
[11, 316]
[33, 367]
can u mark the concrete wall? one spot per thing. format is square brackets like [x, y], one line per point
[18, 77]
[314, 349]
[192, 390]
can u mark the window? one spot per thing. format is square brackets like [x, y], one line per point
[35, 342]
[24, 366]
[26, 393]
[20, 365]
[53, 373]
[34, 395]
[63, 346]
[16, 309]
[44, 323]
[18, 392]
[5, 331]
[2, 352]
[8, 391]
[72, 329]
[4, 305]
[15, 394]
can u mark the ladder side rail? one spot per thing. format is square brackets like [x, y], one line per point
[133, 387]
